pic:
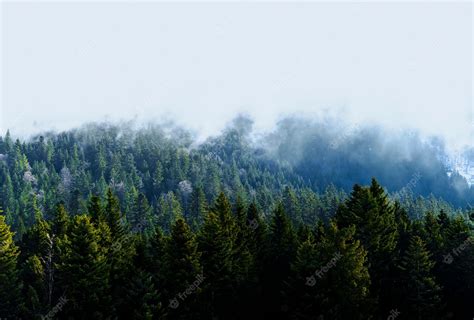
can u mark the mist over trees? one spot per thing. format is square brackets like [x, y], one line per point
[325, 152]
[113, 221]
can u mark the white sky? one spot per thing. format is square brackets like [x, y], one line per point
[398, 64]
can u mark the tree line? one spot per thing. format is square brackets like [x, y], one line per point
[107, 222]
[171, 172]
[368, 261]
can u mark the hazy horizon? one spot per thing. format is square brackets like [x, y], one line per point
[202, 64]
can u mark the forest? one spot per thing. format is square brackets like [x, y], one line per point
[309, 221]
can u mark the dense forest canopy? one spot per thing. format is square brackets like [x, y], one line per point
[109, 221]
[166, 164]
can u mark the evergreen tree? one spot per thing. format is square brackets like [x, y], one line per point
[60, 221]
[9, 280]
[370, 211]
[330, 278]
[455, 265]
[83, 273]
[217, 242]
[198, 207]
[168, 210]
[154, 256]
[279, 256]
[422, 293]
[140, 216]
[141, 298]
[95, 209]
[113, 216]
[291, 205]
[182, 268]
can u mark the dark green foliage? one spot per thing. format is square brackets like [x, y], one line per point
[10, 285]
[83, 272]
[373, 216]
[182, 268]
[221, 258]
[222, 228]
[330, 277]
[95, 210]
[235, 267]
[197, 207]
[280, 254]
[420, 288]
[140, 217]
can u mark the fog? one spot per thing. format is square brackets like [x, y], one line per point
[394, 65]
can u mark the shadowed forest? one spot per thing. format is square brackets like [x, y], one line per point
[313, 220]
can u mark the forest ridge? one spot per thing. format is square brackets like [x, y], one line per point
[108, 222]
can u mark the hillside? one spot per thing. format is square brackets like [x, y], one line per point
[112, 221]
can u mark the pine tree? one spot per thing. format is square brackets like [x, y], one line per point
[422, 293]
[95, 209]
[141, 299]
[83, 273]
[243, 259]
[75, 203]
[455, 265]
[258, 236]
[32, 275]
[370, 211]
[198, 207]
[40, 250]
[60, 220]
[217, 242]
[154, 256]
[121, 253]
[140, 215]
[168, 210]
[158, 178]
[113, 216]
[329, 278]
[9, 280]
[291, 206]
[279, 256]
[182, 268]
[33, 211]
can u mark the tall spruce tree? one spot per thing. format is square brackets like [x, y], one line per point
[9, 279]
[330, 278]
[280, 254]
[217, 242]
[197, 207]
[370, 211]
[83, 273]
[141, 215]
[182, 268]
[421, 291]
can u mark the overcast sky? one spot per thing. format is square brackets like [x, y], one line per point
[401, 65]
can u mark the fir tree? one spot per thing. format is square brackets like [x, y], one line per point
[370, 211]
[422, 293]
[10, 284]
[330, 278]
[83, 273]
[217, 242]
[198, 207]
[182, 268]
[95, 209]
[279, 256]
